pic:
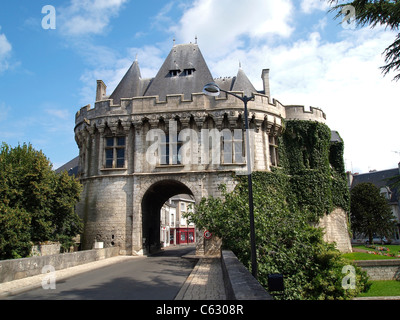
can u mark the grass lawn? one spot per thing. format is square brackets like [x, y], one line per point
[388, 288]
[367, 256]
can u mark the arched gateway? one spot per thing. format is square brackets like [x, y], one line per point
[152, 202]
[154, 138]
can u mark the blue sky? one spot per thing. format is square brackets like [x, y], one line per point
[47, 75]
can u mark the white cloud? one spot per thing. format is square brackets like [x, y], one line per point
[4, 111]
[307, 6]
[221, 24]
[5, 50]
[59, 114]
[84, 17]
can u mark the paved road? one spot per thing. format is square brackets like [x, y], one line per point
[158, 277]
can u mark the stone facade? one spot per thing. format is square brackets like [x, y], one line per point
[127, 176]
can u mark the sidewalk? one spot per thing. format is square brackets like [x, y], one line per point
[205, 282]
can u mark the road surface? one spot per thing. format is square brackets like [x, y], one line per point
[158, 277]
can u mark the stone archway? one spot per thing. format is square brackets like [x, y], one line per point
[154, 198]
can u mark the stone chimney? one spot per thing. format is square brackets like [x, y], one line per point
[265, 78]
[101, 90]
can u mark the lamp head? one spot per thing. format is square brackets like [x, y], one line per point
[212, 89]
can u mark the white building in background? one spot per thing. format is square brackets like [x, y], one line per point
[174, 227]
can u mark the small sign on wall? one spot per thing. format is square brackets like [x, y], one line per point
[207, 235]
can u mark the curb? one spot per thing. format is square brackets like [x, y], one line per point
[188, 282]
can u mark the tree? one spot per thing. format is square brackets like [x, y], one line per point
[15, 240]
[36, 204]
[370, 213]
[375, 13]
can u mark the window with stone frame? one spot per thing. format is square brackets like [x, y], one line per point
[170, 151]
[273, 150]
[233, 146]
[169, 144]
[115, 152]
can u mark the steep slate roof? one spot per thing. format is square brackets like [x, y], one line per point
[242, 83]
[379, 179]
[181, 58]
[130, 86]
[71, 167]
[335, 137]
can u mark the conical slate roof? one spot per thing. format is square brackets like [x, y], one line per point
[242, 83]
[130, 85]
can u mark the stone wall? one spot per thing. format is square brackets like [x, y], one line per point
[27, 267]
[46, 249]
[106, 209]
[336, 230]
[239, 282]
[381, 269]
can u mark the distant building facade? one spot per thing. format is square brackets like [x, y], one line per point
[153, 139]
[383, 180]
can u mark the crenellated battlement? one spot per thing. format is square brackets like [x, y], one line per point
[294, 112]
[199, 102]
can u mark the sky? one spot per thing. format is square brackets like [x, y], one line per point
[52, 53]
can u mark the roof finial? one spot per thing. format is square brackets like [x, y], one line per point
[174, 41]
[240, 65]
[195, 40]
[136, 57]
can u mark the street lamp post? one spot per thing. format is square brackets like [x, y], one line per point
[212, 89]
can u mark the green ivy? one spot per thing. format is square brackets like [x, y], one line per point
[315, 166]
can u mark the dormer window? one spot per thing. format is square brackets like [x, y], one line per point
[189, 72]
[385, 191]
[174, 73]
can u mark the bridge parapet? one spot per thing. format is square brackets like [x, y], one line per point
[239, 282]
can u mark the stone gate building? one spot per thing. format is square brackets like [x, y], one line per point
[155, 138]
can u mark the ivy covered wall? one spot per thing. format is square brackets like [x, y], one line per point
[315, 167]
